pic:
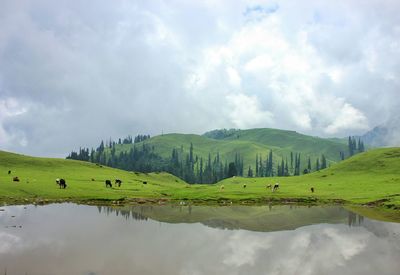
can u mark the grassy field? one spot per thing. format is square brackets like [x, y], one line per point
[249, 143]
[370, 178]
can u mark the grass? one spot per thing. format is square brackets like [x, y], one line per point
[371, 178]
[37, 181]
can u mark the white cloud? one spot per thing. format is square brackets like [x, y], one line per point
[8, 242]
[348, 117]
[245, 111]
[233, 77]
[10, 107]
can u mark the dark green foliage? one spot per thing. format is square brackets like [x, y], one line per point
[355, 146]
[323, 162]
[83, 154]
[317, 166]
[257, 168]
[250, 172]
[222, 133]
[143, 158]
[232, 170]
[297, 165]
[140, 138]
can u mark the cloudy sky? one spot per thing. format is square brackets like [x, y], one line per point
[74, 72]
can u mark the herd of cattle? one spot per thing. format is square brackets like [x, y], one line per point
[63, 184]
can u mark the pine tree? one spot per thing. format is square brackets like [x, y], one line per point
[323, 162]
[286, 169]
[250, 172]
[350, 145]
[232, 170]
[257, 171]
[270, 163]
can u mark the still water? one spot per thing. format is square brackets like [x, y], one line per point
[76, 239]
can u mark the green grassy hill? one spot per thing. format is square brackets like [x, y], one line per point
[85, 181]
[248, 143]
[371, 178]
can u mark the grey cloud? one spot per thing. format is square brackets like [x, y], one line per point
[99, 69]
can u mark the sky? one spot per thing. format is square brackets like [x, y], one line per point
[75, 72]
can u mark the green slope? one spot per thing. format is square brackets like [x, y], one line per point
[248, 143]
[37, 180]
[371, 178]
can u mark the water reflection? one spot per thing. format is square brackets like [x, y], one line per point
[75, 239]
[255, 218]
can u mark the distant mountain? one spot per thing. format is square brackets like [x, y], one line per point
[383, 135]
[376, 137]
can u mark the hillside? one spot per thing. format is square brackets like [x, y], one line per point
[85, 181]
[370, 178]
[248, 143]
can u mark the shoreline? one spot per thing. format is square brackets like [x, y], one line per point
[375, 210]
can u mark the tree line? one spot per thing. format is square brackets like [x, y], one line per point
[143, 158]
[196, 169]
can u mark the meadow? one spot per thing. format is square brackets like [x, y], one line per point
[371, 178]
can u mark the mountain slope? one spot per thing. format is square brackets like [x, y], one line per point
[248, 143]
[85, 181]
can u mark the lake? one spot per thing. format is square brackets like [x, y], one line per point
[88, 240]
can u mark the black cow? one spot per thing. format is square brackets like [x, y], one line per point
[15, 179]
[108, 183]
[9, 171]
[118, 182]
[312, 189]
[63, 184]
[244, 185]
[145, 182]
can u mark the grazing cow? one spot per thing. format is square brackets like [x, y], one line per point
[312, 189]
[93, 179]
[145, 182]
[15, 179]
[244, 185]
[63, 184]
[118, 182]
[269, 186]
[222, 187]
[276, 187]
[9, 171]
[108, 183]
